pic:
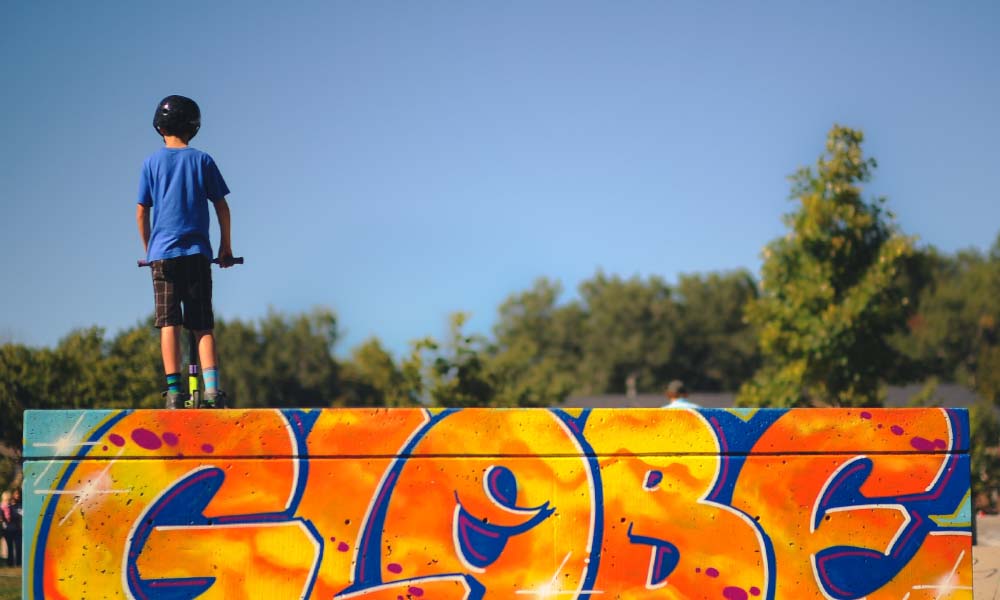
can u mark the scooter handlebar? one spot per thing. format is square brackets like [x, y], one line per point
[236, 260]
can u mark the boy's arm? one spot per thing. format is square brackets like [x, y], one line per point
[225, 243]
[142, 220]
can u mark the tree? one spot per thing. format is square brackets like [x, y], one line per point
[538, 346]
[455, 373]
[716, 349]
[372, 378]
[626, 334]
[136, 368]
[955, 332]
[831, 290]
[630, 331]
[281, 361]
[984, 465]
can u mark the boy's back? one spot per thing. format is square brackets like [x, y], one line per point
[178, 184]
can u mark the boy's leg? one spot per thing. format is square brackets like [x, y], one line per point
[214, 396]
[206, 349]
[200, 318]
[170, 347]
[168, 319]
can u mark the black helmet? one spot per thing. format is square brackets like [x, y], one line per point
[177, 115]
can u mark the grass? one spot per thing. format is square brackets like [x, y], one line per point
[10, 583]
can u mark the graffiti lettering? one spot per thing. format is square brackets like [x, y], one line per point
[529, 503]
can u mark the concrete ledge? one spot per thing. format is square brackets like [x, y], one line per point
[473, 503]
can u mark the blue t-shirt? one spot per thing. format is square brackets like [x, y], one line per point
[178, 184]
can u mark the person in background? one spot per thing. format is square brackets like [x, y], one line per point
[10, 515]
[676, 395]
[5, 548]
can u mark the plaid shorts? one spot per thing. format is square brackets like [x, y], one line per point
[187, 281]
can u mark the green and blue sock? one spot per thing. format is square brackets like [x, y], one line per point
[174, 382]
[211, 379]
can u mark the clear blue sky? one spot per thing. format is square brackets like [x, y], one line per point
[398, 161]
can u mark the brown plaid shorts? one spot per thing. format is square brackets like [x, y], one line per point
[187, 281]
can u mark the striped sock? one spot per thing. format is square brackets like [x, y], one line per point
[173, 382]
[211, 379]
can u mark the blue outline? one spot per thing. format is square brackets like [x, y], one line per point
[42, 534]
[576, 425]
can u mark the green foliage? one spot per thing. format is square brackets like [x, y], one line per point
[372, 378]
[985, 465]
[538, 347]
[630, 329]
[136, 367]
[9, 473]
[467, 370]
[455, 373]
[717, 349]
[626, 329]
[83, 371]
[955, 333]
[280, 361]
[832, 290]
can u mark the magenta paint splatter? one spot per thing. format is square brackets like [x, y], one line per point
[922, 444]
[170, 438]
[866, 415]
[734, 593]
[116, 439]
[896, 429]
[395, 568]
[104, 447]
[712, 572]
[208, 448]
[697, 569]
[755, 591]
[939, 443]
[146, 439]
[415, 590]
[333, 539]
[343, 547]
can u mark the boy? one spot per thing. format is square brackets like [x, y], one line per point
[177, 182]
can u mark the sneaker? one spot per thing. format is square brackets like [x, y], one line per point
[173, 400]
[214, 399]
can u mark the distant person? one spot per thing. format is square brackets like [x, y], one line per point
[177, 183]
[676, 395]
[11, 514]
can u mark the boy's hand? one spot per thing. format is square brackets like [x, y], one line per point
[225, 257]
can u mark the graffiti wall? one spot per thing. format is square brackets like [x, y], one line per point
[479, 503]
